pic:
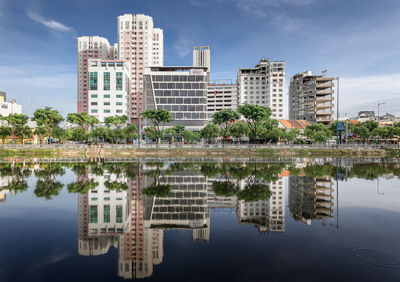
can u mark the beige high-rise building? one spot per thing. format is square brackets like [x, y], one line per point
[140, 45]
[201, 57]
[311, 98]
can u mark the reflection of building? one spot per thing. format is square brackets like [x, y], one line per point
[4, 181]
[115, 218]
[184, 208]
[266, 215]
[134, 223]
[310, 198]
[219, 202]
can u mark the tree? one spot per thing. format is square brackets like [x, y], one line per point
[116, 122]
[99, 133]
[269, 130]
[222, 118]
[371, 125]
[78, 135]
[151, 133]
[254, 115]
[47, 118]
[129, 132]
[361, 131]
[239, 129]
[210, 131]
[23, 132]
[4, 133]
[15, 121]
[317, 132]
[158, 117]
[83, 121]
[190, 136]
[62, 134]
[40, 132]
[292, 134]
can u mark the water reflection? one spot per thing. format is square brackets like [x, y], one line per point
[129, 205]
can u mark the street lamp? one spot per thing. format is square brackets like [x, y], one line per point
[337, 113]
[379, 119]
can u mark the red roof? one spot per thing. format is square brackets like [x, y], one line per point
[287, 123]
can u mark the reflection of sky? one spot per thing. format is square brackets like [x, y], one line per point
[38, 242]
[364, 193]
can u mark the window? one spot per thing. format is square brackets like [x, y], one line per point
[120, 64]
[119, 213]
[93, 103]
[106, 81]
[119, 95]
[93, 111]
[119, 81]
[93, 96]
[119, 111]
[92, 214]
[119, 103]
[106, 103]
[103, 64]
[93, 80]
[106, 213]
[107, 111]
[107, 96]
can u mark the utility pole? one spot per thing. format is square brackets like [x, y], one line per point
[337, 114]
[379, 118]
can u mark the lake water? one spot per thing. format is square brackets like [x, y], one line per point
[295, 220]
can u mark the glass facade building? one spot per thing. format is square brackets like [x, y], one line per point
[179, 90]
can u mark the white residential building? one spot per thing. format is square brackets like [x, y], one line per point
[201, 57]
[264, 85]
[88, 47]
[108, 88]
[7, 108]
[140, 45]
[222, 94]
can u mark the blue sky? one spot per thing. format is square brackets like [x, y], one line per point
[359, 40]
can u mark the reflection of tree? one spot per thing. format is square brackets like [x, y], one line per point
[82, 187]
[157, 188]
[47, 185]
[18, 174]
[254, 192]
[255, 175]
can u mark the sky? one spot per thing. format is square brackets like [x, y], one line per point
[357, 40]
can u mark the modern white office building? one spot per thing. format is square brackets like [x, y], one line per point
[221, 94]
[179, 90]
[201, 57]
[108, 88]
[140, 45]
[264, 85]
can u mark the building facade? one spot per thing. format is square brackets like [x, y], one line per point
[264, 85]
[108, 88]
[179, 90]
[89, 47]
[140, 45]
[222, 94]
[201, 57]
[311, 98]
[7, 108]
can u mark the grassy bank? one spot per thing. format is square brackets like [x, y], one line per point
[201, 152]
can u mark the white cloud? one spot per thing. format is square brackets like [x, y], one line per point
[364, 93]
[182, 47]
[52, 24]
[197, 3]
[261, 8]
